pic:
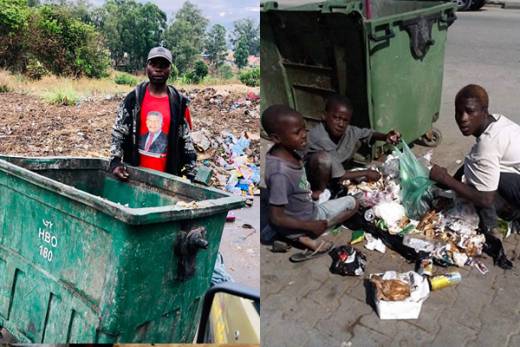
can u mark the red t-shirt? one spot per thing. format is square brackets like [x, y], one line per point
[153, 145]
[153, 132]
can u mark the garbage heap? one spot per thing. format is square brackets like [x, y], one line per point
[446, 230]
[438, 227]
[225, 135]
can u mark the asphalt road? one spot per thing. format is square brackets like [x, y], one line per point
[483, 48]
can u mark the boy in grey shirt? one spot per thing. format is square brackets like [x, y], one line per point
[292, 212]
[333, 142]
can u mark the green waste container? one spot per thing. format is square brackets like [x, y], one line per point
[390, 65]
[86, 258]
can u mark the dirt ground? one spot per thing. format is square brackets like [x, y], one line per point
[31, 127]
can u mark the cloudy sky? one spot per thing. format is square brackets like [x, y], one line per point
[217, 11]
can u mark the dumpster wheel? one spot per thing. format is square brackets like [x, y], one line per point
[432, 138]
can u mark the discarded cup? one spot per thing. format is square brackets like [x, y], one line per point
[446, 280]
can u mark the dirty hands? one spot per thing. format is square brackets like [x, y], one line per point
[393, 137]
[439, 174]
[121, 173]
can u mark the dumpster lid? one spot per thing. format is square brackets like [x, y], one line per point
[208, 201]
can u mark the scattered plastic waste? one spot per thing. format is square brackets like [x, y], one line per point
[418, 243]
[446, 280]
[357, 237]
[347, 261]
[374, 243]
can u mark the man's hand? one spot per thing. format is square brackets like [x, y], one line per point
[372, 175]
[393, 137]
[121, 173]
[318, 227]
[438, 174]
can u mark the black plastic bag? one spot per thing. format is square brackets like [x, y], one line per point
[347, 261]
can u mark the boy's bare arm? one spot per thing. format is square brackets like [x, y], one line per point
[369, 175]
[392, 137]
[278, 217]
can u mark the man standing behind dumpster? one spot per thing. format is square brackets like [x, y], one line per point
[333, 142]
[147, 102]
[492, 167]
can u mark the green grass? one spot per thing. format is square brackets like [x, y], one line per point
[4, 88]
[125, 78]
[66, 97]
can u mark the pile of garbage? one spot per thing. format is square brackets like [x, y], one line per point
[225, 135]
[438, 227]
[446, 233]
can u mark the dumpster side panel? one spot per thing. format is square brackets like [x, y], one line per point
[57, 236]
[170, 311]
[52, 264]
[405, 91]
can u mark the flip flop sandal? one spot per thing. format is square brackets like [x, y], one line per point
[280, 247]
[323, 248]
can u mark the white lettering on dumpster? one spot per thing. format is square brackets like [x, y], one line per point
[50, 240]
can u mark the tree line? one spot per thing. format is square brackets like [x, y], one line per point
[74, 38]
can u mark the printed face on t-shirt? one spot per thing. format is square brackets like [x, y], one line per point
[154, 122]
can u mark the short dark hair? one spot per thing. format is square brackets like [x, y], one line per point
[474, 91]
[335, 100]
[274, 114]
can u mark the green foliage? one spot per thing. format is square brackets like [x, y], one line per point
[250, 77]
[216, 45]
[185, 36]
[62, 96]
[65, 45]
[225, 72]
[13, 26]
[4, 88]
[198, 73]
[131, 29]
[125, 78]
[241, 53]
[13, 15]
[246, 30]
[35, 70]
[174, 74]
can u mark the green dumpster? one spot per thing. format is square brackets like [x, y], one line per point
[86, 258]
[388, 59]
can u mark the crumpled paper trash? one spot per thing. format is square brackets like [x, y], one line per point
[373, 243]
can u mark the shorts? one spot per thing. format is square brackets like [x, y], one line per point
[327, 210]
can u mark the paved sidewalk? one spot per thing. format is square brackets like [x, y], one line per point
[305, 305]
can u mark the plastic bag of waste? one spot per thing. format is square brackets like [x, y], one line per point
[416, 187]
[347, 261]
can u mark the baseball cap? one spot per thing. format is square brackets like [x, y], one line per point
[160, 52]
